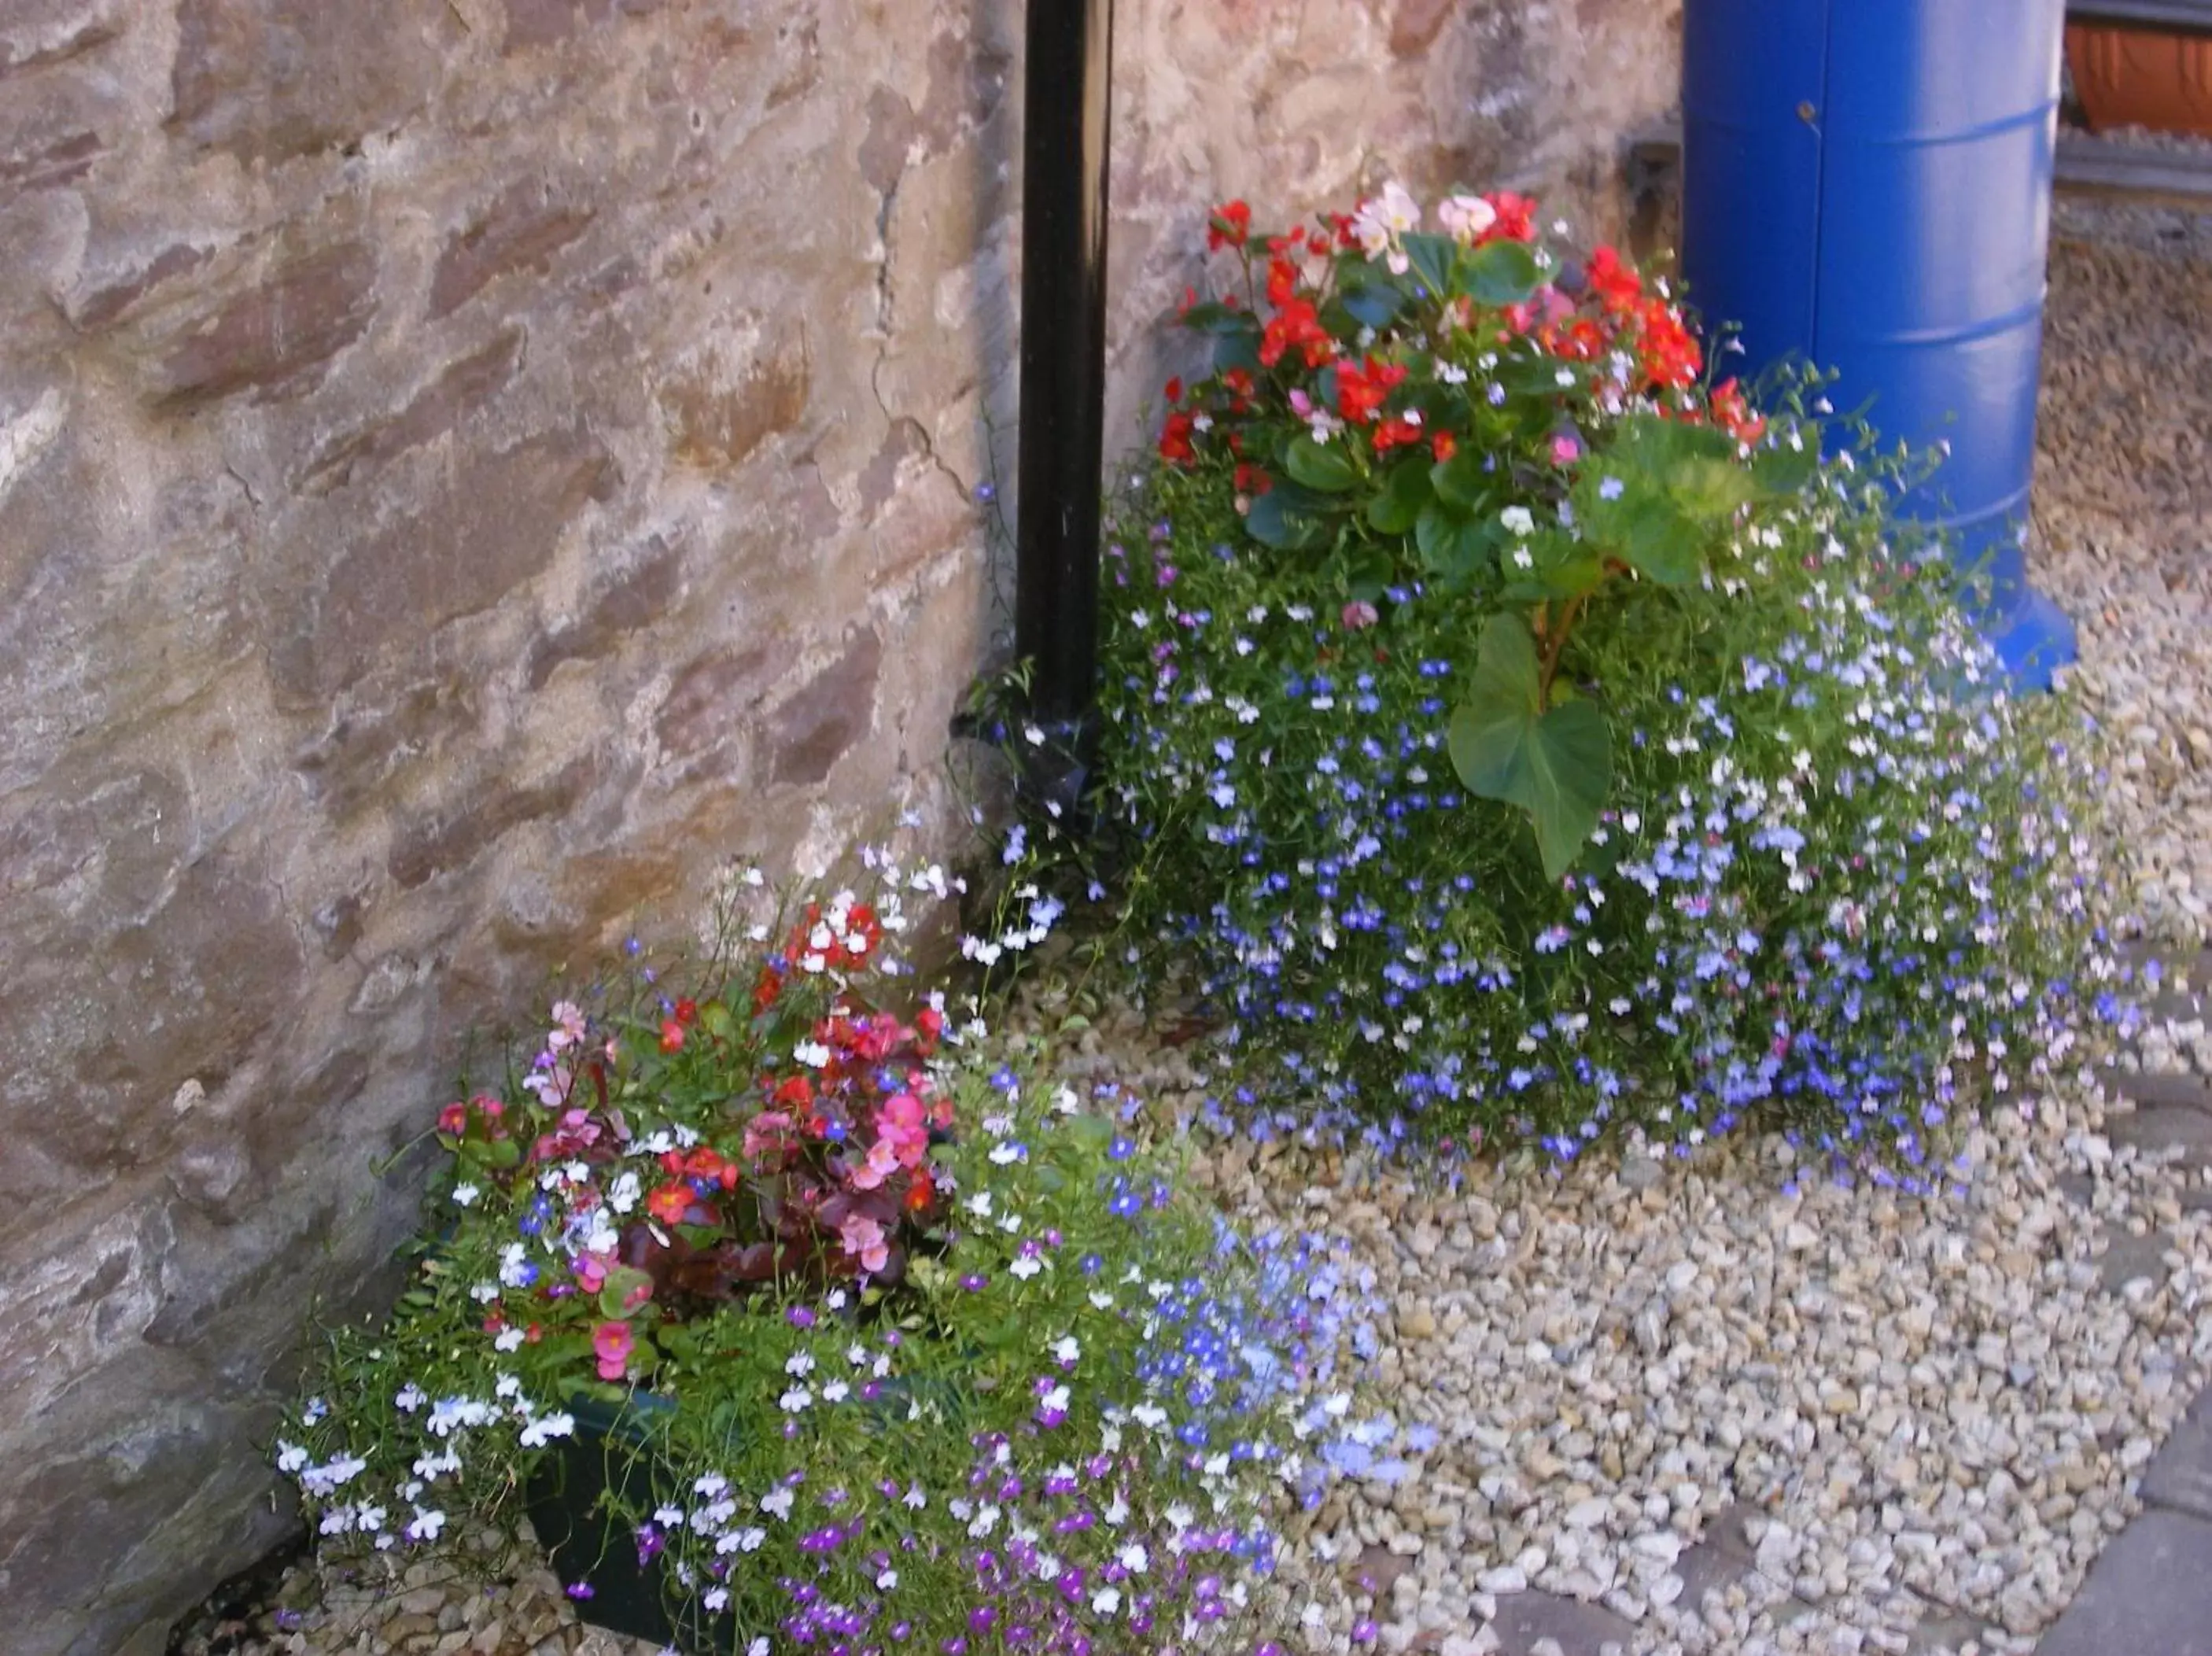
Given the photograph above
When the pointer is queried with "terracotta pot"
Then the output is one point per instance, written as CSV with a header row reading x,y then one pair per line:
x,y
2139,77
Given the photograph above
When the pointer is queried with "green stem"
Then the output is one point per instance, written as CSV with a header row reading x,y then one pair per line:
x,y
1555,642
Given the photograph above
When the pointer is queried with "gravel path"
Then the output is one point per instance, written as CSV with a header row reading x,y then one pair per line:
x,y
2124,522
1683,1407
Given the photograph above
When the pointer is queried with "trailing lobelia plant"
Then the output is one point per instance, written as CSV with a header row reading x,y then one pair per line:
x,y
905,1347
1452,544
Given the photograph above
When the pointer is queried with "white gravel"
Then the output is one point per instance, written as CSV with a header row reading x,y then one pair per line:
x,y
2123,525
1893,1410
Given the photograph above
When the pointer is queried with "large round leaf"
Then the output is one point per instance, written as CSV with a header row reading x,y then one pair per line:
x,y
1555,763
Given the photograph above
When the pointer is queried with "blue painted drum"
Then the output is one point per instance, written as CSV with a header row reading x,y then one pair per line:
x,y
1867,184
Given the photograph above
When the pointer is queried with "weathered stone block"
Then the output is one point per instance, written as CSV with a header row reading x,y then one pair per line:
x,y
812,731
712,699
632,600
421,850
459,390
519,230
498,521
720,411
1415,25
274,79
46,163
276,338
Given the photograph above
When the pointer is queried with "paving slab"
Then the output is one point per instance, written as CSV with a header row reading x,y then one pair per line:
x,y
2151,1129
1578,1627
2161,1089
2180,1476
2149,1593
1945,1633
2127,1257
1721,1557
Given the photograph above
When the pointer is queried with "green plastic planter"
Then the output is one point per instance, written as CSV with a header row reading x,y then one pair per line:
x,y
566,1501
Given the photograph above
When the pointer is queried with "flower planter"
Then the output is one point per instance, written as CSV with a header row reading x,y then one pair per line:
x,y
2140,77
586,1541
565,1501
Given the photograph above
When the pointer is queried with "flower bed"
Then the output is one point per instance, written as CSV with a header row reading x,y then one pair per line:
x,y
883,1344
1524,736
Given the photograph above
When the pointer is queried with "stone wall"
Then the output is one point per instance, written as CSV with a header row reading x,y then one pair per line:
x,y
466,465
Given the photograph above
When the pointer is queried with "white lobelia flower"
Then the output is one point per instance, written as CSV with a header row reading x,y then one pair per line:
x,y
426,1525
1519,519
466,1194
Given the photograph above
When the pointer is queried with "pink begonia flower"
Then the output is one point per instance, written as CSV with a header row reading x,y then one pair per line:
x,y
1566,450
904,1124
1301,405
1360,613
591,1272
568,1026
551,1086
863,1237
766,1132
882,1162
611,1343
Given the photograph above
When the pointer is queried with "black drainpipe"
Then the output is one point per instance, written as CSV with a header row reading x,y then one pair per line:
x,y
1063,387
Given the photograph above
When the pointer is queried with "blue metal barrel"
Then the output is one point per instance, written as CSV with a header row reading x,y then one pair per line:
x,y
1867,184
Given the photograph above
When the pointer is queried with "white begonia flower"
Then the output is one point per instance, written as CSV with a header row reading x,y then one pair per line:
x,y
1465,217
